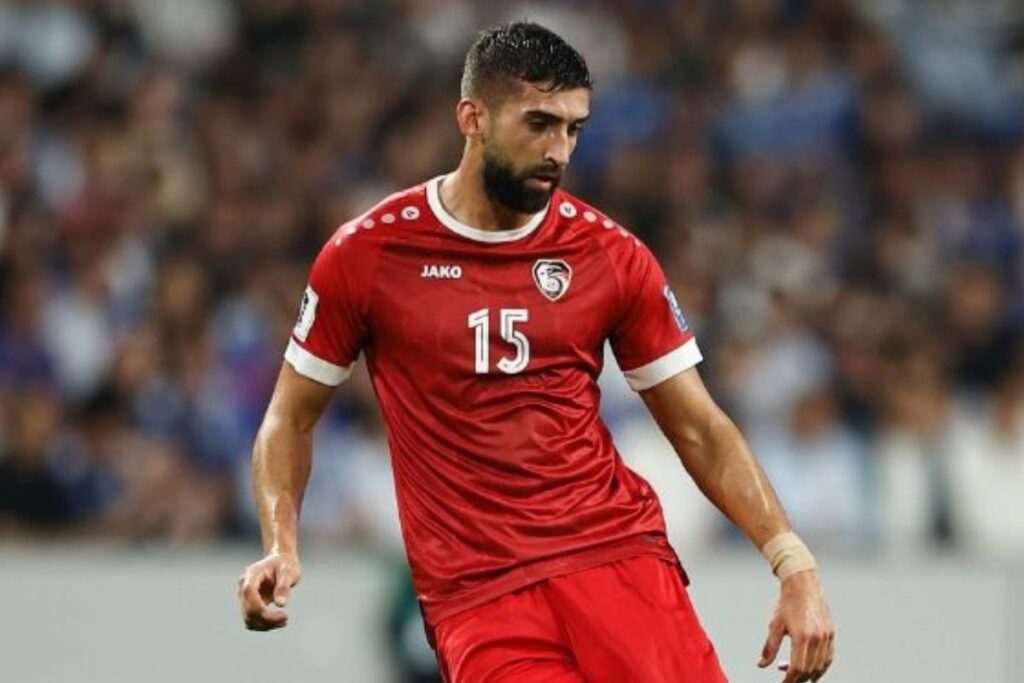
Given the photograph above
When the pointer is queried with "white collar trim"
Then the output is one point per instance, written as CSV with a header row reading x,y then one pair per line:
x,y
449,221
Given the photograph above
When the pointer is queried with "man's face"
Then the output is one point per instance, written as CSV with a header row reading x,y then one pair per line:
x,y
528,139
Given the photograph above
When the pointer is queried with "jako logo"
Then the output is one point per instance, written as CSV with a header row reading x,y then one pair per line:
x,y
442,272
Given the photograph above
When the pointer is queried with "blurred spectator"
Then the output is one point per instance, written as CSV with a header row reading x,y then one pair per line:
x,y
979,333
31,495
914,450
50,41
987,470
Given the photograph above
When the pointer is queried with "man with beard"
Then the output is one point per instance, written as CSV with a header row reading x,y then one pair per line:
x,y
482,301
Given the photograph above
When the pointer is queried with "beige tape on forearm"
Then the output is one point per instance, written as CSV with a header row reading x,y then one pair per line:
x,y
787,555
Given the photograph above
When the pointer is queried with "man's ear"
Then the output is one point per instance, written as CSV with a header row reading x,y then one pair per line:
x,y
471,113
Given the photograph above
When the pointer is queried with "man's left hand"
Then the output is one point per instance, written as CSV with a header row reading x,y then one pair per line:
x,y
801,613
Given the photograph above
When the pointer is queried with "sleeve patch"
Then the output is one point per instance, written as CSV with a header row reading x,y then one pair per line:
x,y
307,314
677,312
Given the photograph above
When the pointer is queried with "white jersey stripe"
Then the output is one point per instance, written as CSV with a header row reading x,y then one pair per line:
x,y
669,365
313,367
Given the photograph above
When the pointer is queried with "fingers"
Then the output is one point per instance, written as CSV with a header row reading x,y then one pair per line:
x,y
255,613
776,630
249,591
260,583
811,655
266,619
286,577
798,659
804,616
825,637
827,652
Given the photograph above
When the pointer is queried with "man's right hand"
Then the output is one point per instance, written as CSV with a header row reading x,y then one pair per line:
x,y
268,581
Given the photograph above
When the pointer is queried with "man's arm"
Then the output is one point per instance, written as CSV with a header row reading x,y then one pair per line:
x,y
281,462
715,454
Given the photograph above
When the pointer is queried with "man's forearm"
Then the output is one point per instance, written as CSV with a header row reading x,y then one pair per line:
x,y
719,461
280,469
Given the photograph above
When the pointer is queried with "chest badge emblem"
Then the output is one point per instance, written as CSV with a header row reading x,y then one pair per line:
x,y
552,277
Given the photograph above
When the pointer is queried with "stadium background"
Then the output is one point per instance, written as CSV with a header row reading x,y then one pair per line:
x,y
835,189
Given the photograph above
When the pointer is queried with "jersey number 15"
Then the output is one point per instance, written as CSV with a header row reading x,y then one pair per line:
x,y
480,323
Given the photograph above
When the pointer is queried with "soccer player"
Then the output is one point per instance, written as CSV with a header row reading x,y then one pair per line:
x,y
482,300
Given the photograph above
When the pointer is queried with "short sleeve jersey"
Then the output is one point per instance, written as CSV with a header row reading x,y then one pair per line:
x,y
484,349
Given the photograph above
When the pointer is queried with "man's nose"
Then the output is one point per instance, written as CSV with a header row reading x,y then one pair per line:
x,y
559,149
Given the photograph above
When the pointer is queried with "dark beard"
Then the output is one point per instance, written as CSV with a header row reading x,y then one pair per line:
x,y
503,185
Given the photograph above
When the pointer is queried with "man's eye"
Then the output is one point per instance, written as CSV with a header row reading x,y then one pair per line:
x,y
538,126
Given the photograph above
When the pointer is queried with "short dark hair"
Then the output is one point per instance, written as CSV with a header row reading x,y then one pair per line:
x,y
522,51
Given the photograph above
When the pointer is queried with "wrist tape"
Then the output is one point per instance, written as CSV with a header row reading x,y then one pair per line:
x,y
787,555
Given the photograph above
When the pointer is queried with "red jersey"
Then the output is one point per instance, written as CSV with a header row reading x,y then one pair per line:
x,y
484,348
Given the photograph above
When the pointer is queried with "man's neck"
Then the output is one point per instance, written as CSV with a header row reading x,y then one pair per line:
x,y
462,195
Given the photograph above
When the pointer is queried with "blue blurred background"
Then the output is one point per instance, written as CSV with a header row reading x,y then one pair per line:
x,y
835,189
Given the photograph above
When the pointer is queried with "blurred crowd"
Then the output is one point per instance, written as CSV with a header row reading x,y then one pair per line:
x,y
835,189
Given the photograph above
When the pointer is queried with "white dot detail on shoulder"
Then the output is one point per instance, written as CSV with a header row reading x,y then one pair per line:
x,y
622,231
388,218
567,210
607,223
590,216
368,223
350,230
410,213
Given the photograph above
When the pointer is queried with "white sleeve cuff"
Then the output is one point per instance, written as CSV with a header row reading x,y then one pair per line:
x,y
669,365
308,365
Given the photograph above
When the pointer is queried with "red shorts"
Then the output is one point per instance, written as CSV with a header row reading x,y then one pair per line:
x,y
623,622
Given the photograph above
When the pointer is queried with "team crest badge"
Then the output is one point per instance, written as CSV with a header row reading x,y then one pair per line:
x,y
552,277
